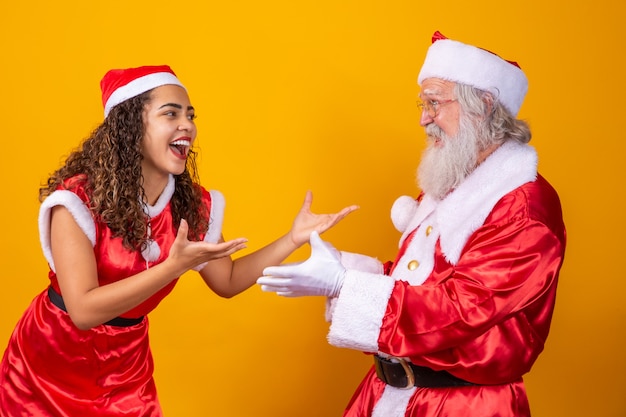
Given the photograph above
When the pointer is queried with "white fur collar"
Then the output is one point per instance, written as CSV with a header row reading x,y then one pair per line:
x,y
466,208
163,199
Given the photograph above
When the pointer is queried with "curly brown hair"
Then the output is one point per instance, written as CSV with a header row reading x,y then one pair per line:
x,y
110,160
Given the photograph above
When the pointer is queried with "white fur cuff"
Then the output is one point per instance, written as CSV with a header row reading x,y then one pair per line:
x,y
359,311
361,263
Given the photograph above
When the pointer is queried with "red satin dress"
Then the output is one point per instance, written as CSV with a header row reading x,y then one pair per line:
x,y
51,368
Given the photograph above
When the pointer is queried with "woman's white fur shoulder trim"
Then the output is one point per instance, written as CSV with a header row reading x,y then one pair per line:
x,y
216,219
76,207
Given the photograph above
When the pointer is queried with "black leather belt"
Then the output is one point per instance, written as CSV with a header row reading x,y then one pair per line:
x,y
401,373
57,300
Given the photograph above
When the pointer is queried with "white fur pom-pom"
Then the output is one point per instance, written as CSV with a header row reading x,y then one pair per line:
x,y
402,212
151,252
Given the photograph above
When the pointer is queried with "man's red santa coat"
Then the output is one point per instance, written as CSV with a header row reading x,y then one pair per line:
x,y
478,305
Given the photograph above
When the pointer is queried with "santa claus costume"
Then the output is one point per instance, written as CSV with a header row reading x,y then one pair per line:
x,y
471,293
52,368
464,311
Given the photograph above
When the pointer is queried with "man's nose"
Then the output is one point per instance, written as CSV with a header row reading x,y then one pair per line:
x,y
425,118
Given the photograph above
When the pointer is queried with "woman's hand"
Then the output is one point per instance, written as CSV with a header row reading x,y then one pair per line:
x,y
186,254
307,222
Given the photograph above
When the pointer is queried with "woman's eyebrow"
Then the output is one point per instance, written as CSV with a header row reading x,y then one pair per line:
x,y
178,106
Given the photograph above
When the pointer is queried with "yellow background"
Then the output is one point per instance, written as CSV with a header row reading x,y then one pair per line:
x,y
320,95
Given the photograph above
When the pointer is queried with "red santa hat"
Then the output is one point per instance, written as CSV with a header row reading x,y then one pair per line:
x,y
465,64
119,85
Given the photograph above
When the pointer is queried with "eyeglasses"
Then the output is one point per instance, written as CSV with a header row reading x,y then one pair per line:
x,y
431,107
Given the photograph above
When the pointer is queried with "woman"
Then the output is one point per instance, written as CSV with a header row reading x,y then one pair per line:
x,y
120,221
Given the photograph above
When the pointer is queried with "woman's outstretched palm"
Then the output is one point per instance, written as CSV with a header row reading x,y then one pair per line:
x,y
307,221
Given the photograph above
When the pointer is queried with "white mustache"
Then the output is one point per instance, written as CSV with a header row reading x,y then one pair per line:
x,y
433,130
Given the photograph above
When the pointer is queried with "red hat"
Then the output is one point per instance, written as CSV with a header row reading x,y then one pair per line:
x,y
466,64
119,85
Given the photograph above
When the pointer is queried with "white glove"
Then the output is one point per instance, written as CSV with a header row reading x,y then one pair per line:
x,y
321,274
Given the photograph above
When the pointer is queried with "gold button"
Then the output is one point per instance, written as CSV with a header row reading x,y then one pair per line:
x,y
413,265
429,229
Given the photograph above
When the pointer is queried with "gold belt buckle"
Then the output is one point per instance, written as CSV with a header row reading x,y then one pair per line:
x,y
410,376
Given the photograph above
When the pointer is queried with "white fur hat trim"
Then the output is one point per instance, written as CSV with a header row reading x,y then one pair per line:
x,y
465,64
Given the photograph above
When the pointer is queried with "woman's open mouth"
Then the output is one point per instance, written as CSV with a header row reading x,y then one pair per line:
x,y
180,147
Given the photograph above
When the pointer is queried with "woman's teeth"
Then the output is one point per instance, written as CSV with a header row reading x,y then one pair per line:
x,y
180,146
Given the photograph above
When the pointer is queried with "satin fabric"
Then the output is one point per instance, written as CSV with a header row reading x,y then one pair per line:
x,y
507,400
51,368
484,319
116,262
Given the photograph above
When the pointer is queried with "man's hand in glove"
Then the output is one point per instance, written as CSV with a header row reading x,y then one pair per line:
x,y
321,274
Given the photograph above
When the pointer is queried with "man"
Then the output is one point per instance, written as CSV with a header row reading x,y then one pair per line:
x,y
463,313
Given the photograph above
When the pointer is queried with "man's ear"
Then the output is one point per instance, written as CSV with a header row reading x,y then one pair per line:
x,y
489,101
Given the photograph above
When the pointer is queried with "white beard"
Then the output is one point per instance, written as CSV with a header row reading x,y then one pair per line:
x,y
445,166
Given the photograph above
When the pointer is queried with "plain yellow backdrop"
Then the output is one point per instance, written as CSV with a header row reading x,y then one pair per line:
x,y
320,95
